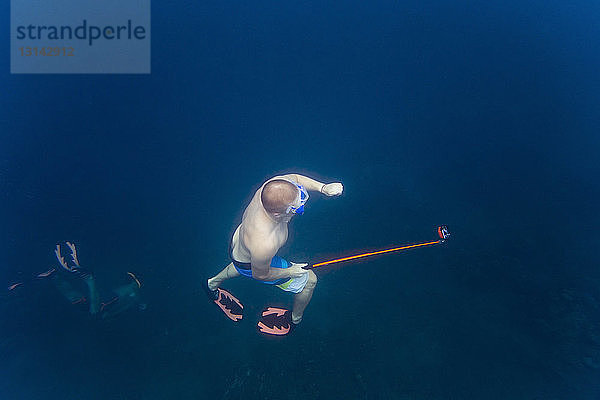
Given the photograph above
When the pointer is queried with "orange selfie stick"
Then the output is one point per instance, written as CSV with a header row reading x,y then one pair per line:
x,y
442,231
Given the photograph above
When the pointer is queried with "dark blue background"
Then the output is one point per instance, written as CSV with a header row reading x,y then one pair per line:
x,y
484,116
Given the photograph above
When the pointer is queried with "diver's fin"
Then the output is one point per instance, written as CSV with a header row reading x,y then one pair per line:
x,y
276,321
228,303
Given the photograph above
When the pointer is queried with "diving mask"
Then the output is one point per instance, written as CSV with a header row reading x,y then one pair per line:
x,y
299,209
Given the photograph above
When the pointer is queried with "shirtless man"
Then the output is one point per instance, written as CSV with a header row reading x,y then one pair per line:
x,y
263,231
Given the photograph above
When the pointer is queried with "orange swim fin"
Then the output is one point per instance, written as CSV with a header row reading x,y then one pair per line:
x,y
227,303
276,321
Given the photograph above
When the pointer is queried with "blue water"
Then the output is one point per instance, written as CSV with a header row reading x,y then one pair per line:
x,y
483,116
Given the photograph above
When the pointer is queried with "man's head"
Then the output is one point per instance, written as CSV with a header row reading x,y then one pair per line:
x,y
278,195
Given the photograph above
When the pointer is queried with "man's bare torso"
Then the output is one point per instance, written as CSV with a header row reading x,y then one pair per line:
x,y
258,231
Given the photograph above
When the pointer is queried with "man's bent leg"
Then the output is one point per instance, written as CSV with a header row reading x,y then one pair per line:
x,y
227,273
90,281
303,298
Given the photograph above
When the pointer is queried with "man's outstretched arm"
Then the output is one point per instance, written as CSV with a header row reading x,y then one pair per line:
x,y
329,189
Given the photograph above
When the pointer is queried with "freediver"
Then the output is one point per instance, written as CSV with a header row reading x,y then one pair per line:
x,y
70,275
255,242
